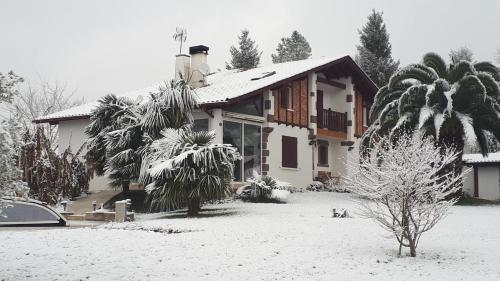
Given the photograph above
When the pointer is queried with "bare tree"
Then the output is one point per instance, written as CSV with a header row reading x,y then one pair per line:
x,y
404,185
39,101
460,54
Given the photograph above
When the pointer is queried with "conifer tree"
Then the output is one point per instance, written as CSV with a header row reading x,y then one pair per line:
x,y
374,52
246,55
8,82
292,48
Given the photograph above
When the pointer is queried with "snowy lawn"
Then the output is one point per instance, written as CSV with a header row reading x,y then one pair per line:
x,y
247,241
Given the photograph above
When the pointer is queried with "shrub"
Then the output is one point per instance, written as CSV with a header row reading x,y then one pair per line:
x,y
264,189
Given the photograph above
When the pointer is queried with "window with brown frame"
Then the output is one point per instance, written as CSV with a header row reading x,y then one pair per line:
x,y
286,99
288,152
322,153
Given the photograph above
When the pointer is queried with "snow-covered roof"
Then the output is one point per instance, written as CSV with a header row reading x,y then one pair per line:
x,y
223,86
479,158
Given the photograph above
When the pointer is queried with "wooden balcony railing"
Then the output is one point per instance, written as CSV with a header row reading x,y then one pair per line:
x,y
332,120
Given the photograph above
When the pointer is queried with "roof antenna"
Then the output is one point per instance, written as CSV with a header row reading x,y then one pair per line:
x,y
180,35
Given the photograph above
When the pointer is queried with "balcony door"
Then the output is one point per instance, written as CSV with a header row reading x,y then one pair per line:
x,y
319,102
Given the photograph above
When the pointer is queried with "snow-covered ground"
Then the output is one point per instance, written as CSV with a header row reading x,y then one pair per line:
x,y
246,241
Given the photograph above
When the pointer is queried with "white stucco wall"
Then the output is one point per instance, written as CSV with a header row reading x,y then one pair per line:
x,y
334,98
72,133
488,181
488,178
337,157
303,174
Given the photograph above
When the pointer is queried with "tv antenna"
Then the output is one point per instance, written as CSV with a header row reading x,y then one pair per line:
x,y
180,35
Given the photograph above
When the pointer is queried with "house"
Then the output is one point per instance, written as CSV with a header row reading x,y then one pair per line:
x,y
297,121
484,179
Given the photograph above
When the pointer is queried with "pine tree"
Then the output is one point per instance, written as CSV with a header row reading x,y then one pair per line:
x,y
247,54
292,48
374,53
8,84
462,53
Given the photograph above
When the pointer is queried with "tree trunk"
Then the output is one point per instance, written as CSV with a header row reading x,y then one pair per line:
x,y
193,206
126,189
413,248
452,138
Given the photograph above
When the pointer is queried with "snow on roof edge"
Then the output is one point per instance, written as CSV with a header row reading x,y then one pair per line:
x,y
475,158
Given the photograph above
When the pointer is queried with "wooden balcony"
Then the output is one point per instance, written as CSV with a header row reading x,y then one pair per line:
x,y
332,124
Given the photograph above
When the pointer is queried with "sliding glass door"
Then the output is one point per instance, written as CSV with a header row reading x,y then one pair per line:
x,y
247,140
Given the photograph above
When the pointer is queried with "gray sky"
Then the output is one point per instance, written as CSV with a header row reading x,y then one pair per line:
x,y
100,47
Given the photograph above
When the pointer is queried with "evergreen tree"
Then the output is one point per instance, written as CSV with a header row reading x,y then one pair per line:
x,y
292,48
247,55
8,84
462,53
374,53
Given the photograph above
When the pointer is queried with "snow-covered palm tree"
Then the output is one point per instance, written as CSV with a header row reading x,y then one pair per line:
x,y
186,168
457,104
122,130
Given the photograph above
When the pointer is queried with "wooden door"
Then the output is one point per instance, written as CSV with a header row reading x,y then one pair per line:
x,y
319,101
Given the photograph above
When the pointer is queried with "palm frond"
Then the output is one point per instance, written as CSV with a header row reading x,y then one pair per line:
x,y
437,63
460,70
421,73
492,87
489,68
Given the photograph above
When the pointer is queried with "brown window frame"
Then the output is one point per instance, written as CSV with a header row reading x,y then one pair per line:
x,y
323,158
286,97
289,151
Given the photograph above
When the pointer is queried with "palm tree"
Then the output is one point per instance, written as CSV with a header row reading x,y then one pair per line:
x,y
122,130
457,104
103,121
186,168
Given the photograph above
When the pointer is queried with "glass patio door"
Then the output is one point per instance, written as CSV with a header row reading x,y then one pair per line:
x,y
246,138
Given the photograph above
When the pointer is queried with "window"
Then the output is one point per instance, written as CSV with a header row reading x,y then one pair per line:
x,y
231,134
323,153
286,97
250,106
288,152
246,138
365,116
200,125
251,151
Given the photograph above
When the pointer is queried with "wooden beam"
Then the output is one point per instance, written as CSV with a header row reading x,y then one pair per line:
x,y
331,83
476,181
332,134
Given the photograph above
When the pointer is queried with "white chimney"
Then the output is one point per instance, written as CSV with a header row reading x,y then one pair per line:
x,y
199,66
182,66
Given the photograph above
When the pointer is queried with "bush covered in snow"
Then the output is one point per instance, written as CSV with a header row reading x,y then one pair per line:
x,y
10,185
405,184
331,185
264,189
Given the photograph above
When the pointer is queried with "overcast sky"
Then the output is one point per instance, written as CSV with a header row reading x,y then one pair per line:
x,y
100,47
